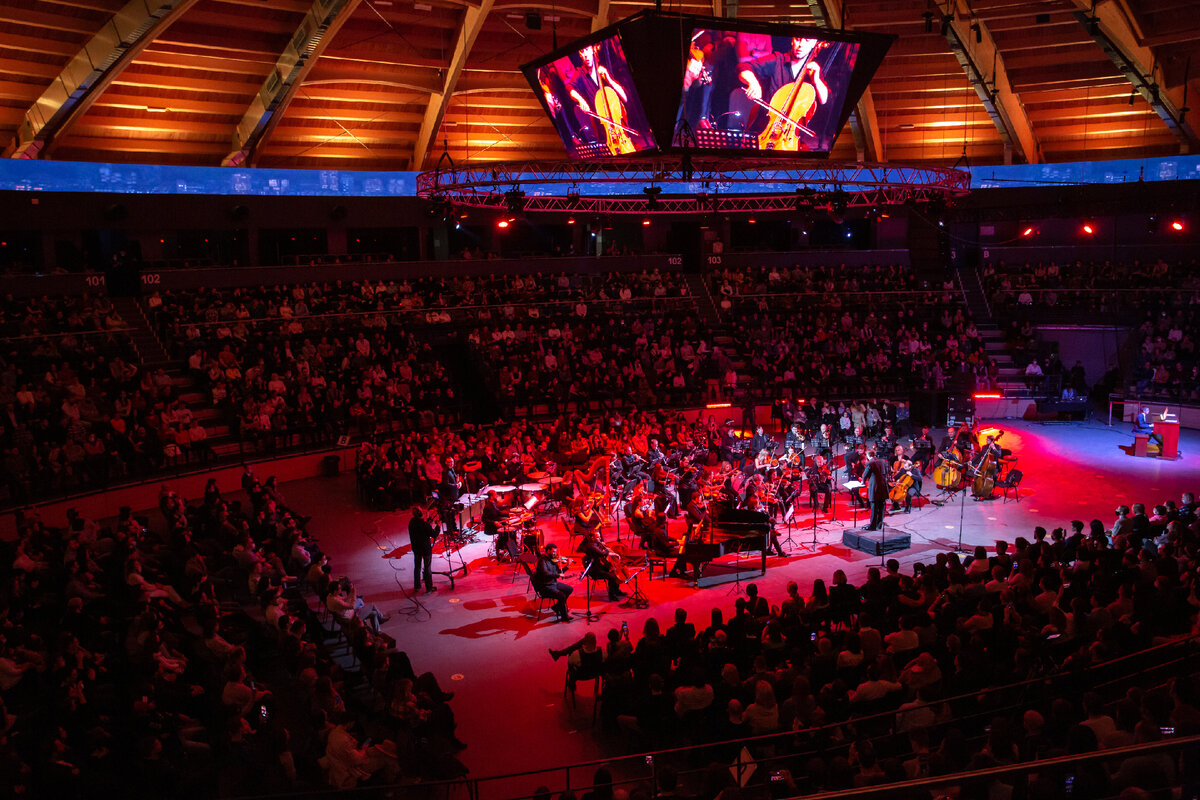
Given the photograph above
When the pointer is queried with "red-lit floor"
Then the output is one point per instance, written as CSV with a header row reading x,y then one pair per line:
x,y
482,642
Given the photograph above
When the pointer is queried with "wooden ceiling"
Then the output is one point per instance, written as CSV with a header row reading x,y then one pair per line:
x,y
387,82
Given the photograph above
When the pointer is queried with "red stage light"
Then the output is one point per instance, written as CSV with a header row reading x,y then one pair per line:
x,y
1177,225
988,396
570,220
719,405
502,223
646,221
752,220
1088,229
1027,232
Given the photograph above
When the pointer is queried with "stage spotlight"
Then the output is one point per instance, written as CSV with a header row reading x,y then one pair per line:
x,y
652,193
1027,232
572,197
645,221
1088,228
502,224
570,220
1177,225
702,199
752,221
514,200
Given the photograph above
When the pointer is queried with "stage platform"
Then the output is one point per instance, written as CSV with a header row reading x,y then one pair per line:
x,y
482,642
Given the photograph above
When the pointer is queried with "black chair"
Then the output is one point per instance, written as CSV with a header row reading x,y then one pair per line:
x,y
1011,480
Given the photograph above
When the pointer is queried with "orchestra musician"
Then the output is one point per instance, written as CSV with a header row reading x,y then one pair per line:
x,y
588,520
760,442
697,519
793,443
820,483
492,516
688,486
923,450
546,581
877,488
1142,423
913,470
856,464
585,84
597,560
762,77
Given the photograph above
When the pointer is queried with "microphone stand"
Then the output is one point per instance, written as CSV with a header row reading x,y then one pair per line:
x,y
637,599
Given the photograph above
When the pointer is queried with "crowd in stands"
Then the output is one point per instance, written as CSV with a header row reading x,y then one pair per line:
x,y
78,409
1105,288
206,654
849,328
900,677
1167,365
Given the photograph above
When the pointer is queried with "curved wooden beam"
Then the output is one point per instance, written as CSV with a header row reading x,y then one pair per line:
x,y
435,112
91,70
318,28
972,45
864,124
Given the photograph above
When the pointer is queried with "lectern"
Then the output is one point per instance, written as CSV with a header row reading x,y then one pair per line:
x,y
1169,431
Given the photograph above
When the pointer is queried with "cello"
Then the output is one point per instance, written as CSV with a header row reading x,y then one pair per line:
x,y
792,107
611,113
901,483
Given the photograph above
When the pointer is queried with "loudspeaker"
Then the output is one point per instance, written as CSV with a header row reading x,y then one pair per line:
x,y
876,543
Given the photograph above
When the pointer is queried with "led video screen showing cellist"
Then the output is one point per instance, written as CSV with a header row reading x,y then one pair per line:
x,y
768,93
591,99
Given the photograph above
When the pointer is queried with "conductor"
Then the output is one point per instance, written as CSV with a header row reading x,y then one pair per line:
x,y
877,488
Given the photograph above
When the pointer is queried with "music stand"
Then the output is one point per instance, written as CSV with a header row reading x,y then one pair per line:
x,y
587,581
850,486
636,599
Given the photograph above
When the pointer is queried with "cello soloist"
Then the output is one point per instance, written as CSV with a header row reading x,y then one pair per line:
x,y
601,98
764,78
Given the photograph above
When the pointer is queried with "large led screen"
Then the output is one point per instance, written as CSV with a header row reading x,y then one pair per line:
x,y
591,99
761,92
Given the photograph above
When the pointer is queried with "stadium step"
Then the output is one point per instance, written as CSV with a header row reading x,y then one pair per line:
x,y
142,334
706,309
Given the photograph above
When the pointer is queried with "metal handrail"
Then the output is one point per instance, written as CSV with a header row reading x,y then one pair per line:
x,y
31,336
427,309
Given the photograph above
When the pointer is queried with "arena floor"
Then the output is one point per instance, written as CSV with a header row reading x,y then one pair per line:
x,y
482,642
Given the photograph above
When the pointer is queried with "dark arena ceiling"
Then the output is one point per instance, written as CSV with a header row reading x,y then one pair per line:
x,y
380,84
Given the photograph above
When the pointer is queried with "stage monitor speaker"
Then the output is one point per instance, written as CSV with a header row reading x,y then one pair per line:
x,y
875,543
960,409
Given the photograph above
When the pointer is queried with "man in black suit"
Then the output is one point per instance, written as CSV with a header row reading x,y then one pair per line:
x,y
421,536
877,488
545,581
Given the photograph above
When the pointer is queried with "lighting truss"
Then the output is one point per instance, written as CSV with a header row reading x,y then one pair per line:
x,y
744,185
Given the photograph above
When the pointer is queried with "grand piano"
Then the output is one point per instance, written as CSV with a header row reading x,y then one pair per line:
x,y
732,531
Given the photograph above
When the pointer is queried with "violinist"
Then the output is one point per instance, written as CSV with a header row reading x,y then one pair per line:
x,y
688,486
763,77
545,581
597,561
586,84
856,464
820,483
